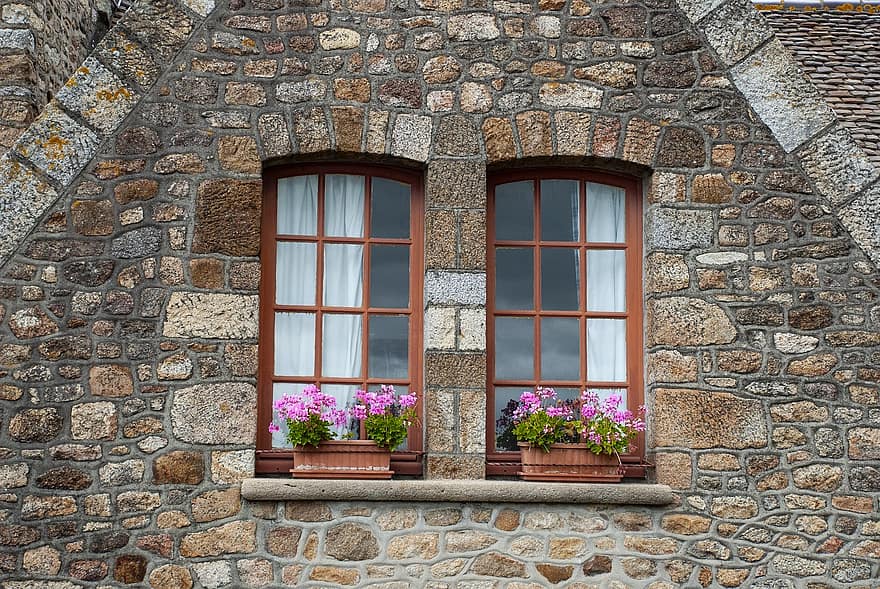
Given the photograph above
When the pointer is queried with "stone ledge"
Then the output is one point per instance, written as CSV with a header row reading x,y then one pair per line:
x,y
476,491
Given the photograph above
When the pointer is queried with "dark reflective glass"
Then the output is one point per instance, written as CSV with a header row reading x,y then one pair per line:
x,y
560,203
514,275
506,399
515,211
389,276
560,279
388,346
514,348
389,210
560,349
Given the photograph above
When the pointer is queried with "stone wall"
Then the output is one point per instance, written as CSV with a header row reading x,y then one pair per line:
x,y
42,42
128,315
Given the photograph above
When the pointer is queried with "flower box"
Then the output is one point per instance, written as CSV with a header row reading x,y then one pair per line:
x,y
342,459
568,463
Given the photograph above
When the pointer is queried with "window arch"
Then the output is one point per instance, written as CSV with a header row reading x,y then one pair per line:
x,y
564,292
341,303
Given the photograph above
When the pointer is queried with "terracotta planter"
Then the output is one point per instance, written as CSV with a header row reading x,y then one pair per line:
x,y
342,459
568,463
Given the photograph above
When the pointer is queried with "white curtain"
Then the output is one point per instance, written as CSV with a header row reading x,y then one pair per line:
x,y
296,271
606,283
343,281
343,205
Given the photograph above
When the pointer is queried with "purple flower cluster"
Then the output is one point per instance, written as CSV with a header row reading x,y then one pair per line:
x,y
311,402
380,403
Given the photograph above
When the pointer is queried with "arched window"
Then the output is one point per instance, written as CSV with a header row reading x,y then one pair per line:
x,y
565,297
341,300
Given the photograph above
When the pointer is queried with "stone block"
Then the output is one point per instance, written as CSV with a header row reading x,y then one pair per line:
x,y
683,321
411,137
472,27
781,96
223,413
678,229
233,538
455,288
735,30
228,217
212,316
456,466
440,328
838,167
498,138
58,145
701,419
98,96
858,217
472,330
535,133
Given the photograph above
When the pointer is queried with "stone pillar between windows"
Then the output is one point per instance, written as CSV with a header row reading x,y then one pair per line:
x,y
455,311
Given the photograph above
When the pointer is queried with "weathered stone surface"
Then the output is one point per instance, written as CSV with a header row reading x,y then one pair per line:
x,y
211,316
137,243
130,568
734,507
781,96
31,322
215,414
232,538
13,475
682,321
679,229
421,546
697,419
283,542
94,421
818,477
666,272
179,467
472,27
228,217
122,473
58,145
411,137
111,380
864,443
218,504
35,425
494,564
64,477
351,542
170,576
41,507
681,147
44,560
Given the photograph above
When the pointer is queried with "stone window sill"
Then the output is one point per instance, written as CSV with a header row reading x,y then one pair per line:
x,y
458,491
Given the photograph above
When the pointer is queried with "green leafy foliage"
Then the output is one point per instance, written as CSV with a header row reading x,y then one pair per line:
x,y
308,433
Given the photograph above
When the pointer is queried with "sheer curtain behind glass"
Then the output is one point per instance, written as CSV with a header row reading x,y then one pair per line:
x,y
606,284
343,279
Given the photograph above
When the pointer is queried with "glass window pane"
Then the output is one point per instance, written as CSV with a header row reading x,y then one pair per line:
x,y
560,349
560,206
515,211
506,399
295,272
514,275
606,350
341,352
298,205
514,348
606,280
560,279
605,213
279,389
294,344
389,276
343,275
389,215
343,205
388,346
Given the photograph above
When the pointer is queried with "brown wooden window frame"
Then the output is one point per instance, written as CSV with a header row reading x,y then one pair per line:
x,y
269,460
506,462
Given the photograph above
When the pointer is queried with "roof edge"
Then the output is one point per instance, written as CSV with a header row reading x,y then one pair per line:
x,y
798,117
87,110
